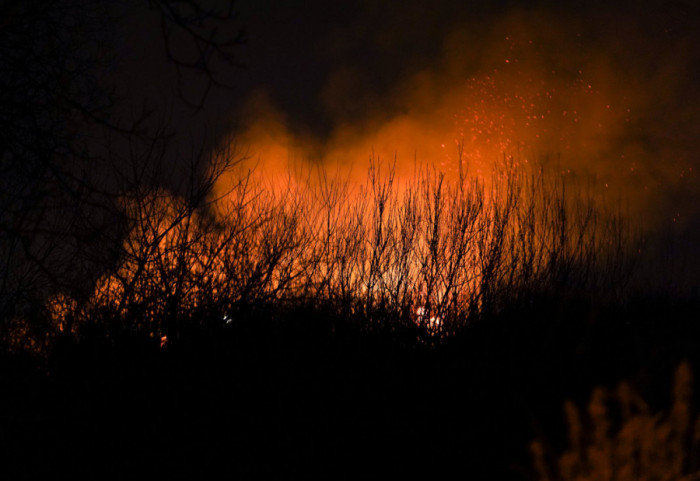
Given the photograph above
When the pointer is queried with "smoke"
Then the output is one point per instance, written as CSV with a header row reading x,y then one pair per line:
x,y
602,95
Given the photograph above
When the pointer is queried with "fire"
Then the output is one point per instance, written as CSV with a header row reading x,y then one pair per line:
x,y
453,212
432,323
441,248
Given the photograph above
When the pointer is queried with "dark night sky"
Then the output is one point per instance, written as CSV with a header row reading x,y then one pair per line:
x,y
295,48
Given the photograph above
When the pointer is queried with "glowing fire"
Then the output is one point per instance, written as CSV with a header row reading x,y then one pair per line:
x,y
432,323
446,214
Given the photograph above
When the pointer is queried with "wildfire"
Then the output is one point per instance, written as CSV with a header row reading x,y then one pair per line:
x,y
453,212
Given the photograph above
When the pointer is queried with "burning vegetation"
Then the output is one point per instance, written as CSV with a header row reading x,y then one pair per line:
x,y
430,255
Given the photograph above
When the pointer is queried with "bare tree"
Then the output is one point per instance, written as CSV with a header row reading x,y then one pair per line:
x,y
67,154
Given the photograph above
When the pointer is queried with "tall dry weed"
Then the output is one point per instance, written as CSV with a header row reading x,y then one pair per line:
x,y
619,438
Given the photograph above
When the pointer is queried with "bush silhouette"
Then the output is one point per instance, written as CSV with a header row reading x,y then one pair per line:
x,y
429,253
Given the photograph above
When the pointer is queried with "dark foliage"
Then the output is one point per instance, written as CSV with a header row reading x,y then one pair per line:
x,y
300,397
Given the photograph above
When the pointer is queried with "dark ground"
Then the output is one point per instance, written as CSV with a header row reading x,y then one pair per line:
x,y
306,398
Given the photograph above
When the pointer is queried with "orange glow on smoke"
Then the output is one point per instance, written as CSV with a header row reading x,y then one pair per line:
x,y
528,87
524,112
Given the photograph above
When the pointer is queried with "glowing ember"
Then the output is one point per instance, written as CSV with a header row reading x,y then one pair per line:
x,y
432,323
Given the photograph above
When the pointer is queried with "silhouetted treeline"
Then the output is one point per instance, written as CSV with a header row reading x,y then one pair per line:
x,y
429,255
